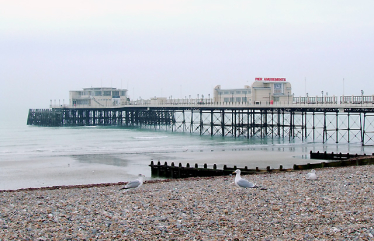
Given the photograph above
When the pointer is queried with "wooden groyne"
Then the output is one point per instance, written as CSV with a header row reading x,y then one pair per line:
x,y
354,160
334,156
173,171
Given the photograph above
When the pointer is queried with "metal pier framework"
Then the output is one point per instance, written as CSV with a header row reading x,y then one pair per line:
x,y
339,125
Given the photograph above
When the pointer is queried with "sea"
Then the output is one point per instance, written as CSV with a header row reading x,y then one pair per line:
x,y
33,156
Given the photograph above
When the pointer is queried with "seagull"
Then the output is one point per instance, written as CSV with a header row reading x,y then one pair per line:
x,y
311,175
240,182
135,183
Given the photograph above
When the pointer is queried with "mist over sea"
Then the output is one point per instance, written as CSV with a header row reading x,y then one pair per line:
x,y
32,156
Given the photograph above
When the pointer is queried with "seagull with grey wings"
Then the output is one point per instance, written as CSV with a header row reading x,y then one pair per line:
x,y
243,183
135,183
311,175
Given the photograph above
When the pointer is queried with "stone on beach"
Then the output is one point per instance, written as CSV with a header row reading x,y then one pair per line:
x,y
338,207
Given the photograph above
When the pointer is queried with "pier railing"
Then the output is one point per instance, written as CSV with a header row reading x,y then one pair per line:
x,y
226,104
326,101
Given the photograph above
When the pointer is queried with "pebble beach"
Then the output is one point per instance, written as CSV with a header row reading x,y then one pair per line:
x,y
336,206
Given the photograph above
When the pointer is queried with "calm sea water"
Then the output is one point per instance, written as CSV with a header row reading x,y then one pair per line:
x,y
32,156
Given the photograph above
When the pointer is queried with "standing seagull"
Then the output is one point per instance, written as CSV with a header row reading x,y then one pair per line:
x,y
135,183
311,175
240,182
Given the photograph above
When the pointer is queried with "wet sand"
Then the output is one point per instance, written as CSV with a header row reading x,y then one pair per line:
x,y
65,170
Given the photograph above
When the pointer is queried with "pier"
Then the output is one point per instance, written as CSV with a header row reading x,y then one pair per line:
x,y
315,123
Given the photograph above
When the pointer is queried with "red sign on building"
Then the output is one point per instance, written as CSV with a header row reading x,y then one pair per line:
x,y
270,79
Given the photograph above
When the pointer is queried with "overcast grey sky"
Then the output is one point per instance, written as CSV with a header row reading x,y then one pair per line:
x,y
181,48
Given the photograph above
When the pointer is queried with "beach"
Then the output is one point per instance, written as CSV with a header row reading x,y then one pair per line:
x,y
336,206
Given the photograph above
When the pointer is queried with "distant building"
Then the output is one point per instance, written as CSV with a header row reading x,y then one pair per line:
x,y
262,91
158,100
98,97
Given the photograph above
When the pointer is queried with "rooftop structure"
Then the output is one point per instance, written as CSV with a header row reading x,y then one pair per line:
x,y
98,97
262,91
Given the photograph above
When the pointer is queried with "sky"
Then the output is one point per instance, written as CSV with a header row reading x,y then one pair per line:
x,y
179,48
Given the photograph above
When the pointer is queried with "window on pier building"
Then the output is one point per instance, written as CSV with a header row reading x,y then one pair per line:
x,y
115,94
107,93
98,93
238,99
82,102
226,99
278,88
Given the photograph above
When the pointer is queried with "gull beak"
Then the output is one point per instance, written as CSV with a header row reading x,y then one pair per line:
x,y
234,173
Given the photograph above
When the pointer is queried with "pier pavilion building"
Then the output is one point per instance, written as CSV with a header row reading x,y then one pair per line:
x,y
262,91
98,97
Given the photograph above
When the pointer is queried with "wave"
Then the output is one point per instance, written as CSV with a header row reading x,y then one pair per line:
x,y
149,137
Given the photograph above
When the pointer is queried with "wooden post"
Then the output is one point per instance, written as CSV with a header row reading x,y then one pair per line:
x,y
180,170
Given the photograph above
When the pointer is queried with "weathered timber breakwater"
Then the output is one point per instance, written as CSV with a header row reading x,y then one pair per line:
x,y
179,171
336,206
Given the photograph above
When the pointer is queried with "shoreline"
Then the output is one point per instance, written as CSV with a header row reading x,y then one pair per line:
x,y
64,170
161,180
